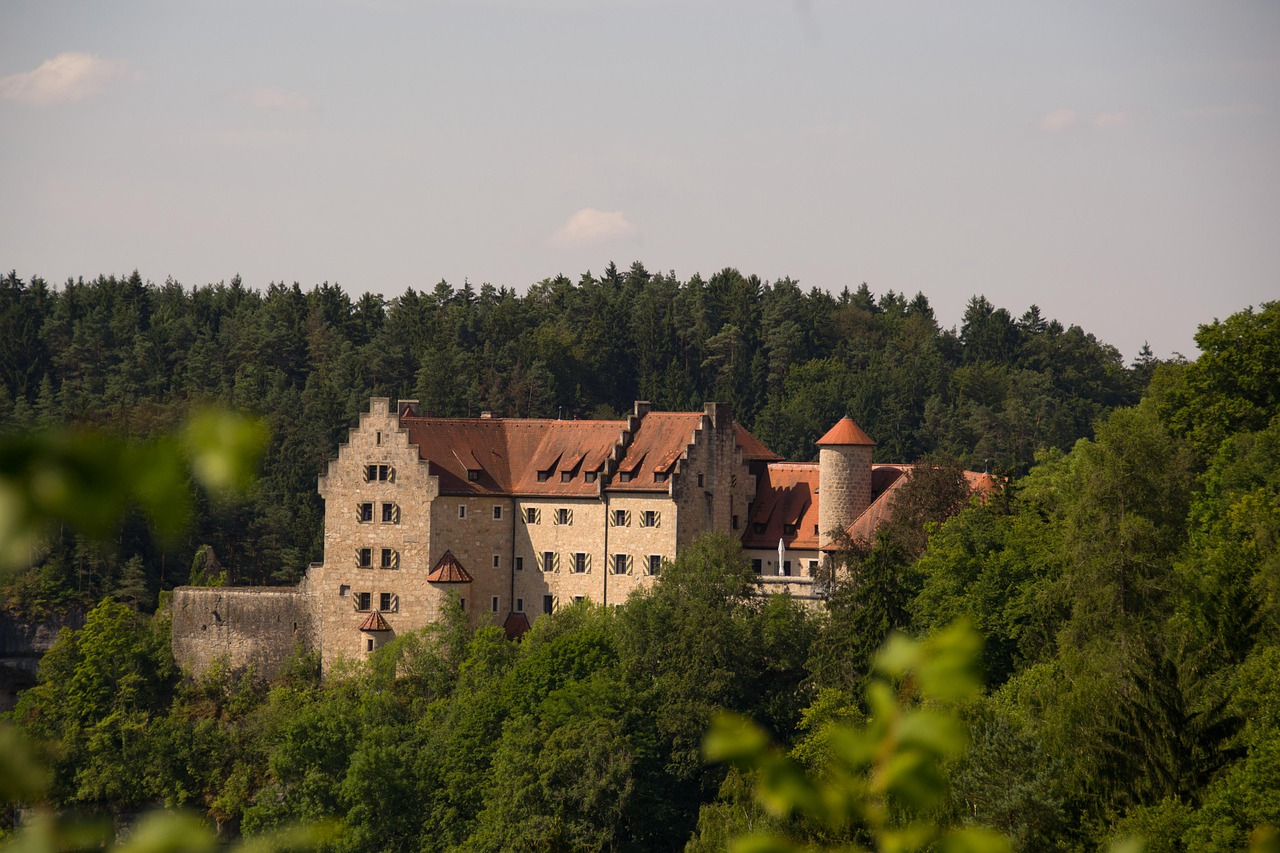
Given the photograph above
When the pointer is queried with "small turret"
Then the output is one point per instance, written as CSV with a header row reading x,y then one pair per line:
x,y
844,478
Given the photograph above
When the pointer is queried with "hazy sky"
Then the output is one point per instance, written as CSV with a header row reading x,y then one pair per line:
x,y
1116,163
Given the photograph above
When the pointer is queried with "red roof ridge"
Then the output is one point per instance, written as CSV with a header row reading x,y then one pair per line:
x,y
846,433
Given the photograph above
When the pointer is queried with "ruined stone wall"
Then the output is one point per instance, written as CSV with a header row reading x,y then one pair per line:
x,y
259,627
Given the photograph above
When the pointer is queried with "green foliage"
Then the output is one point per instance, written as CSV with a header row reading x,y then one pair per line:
x,y
878,783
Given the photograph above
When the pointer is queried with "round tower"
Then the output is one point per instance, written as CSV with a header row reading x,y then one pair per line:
x,y
844,479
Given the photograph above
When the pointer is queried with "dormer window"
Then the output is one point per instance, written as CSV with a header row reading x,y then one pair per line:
x,y
757,528
659,476
589,477
788,529
624,476
473,475
566,476
543,476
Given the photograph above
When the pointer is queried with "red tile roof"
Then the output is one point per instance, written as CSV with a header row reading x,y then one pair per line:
x,y
752,447
515,626
518,456
509,453
845,433
786,494
375,622
449,570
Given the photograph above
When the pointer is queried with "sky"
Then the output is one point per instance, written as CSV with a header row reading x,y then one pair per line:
x,y
1116,163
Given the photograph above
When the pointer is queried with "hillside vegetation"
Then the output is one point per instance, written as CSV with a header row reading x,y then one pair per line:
x,y
134,357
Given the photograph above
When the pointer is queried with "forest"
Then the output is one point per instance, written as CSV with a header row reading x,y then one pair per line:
x,y
1125,583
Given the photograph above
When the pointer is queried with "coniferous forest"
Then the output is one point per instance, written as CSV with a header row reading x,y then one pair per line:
x,y
1126,581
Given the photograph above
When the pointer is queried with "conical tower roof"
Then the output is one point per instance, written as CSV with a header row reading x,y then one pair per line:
x,y
846,433
449,570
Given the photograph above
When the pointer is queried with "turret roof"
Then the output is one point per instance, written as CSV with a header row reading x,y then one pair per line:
x,y
375,622
846,433
448,570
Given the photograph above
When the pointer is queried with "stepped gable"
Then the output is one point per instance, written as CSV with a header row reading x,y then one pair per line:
x,y
514,456
448,570
656,447
374,622
846,434
786,494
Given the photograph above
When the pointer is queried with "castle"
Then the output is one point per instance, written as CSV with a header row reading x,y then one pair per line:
x,y
510,519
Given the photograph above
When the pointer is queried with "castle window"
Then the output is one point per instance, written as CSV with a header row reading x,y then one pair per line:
x,y
519,605
390,559
735,522
699,481
650,518
788,529
624,476
361,600
519,564
364,558
388,602
621,518
758,528
620,562
473,475
497,513
462,510
548,561
532,515
578,599
543,476
368,644
493,604
497,561
364,512
382,473
786,568
343,589
581,562
815,530
462,604
548,603
390,514
589,476
655,564
566,476
813,567
757,567
378,437
564,516
659,476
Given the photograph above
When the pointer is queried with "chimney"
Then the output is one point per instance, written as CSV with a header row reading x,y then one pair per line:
x,y
720,414
643,407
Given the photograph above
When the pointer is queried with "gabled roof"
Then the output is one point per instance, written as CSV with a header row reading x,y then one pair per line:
x,y
846,433
752,447
656,446
511,452
374,622
448,570
786,494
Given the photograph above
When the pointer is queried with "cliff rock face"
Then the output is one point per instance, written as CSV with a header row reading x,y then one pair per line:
x,y
22,644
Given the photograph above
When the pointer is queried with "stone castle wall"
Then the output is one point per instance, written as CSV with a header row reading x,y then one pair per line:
x,y
258,627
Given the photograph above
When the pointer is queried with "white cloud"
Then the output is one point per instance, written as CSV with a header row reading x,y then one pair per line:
x,y
1057,120
269,98
65,78
1105,120
589,226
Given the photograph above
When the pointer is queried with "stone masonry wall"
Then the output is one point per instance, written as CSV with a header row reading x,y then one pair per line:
x,y
259,627
334,588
